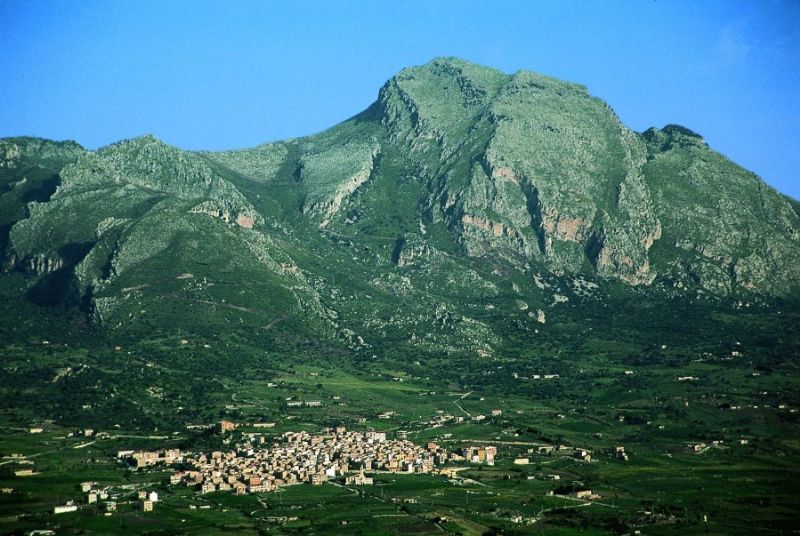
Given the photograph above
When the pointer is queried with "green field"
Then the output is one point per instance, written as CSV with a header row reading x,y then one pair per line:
x,y
144,399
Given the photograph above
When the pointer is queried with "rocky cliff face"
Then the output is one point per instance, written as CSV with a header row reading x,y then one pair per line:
x,y
29,175
724,228
533,169
457,179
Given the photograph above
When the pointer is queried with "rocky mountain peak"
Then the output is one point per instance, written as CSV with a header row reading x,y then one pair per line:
x,y
671,136
458,179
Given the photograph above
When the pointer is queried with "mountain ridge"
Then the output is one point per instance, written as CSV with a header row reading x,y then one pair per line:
x,y
457,174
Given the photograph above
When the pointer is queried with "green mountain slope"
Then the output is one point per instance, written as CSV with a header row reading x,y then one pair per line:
x,y
727,228
463,205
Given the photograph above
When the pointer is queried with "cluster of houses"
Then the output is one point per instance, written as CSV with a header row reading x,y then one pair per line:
x,y
148,500
700,448
301,457
101,497
41,428
581,454
517,376
477,454
143,458
303,403
443,418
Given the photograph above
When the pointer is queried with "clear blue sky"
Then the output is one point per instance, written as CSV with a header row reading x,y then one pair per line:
x,y
229,74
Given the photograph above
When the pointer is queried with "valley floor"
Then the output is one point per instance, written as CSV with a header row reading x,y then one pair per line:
x,y
694,468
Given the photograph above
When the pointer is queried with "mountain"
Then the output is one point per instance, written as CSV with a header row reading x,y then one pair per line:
x,y
463,205
477,259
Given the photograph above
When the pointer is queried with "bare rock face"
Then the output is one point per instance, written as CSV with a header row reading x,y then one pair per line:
x,y
9,155
229,213
411,250
43,264
725,227
245,221
533,169
328,203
